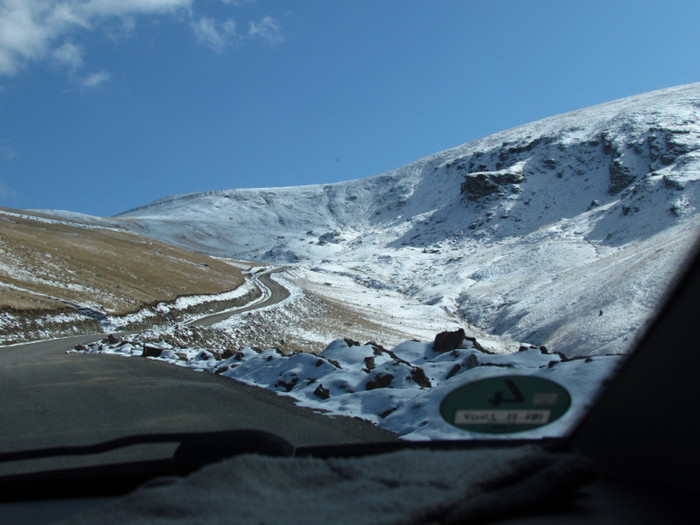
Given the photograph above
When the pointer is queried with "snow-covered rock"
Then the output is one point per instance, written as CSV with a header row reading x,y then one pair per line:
x,y
399,389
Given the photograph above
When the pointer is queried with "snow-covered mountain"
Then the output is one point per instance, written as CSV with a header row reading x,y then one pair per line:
x,y
563,232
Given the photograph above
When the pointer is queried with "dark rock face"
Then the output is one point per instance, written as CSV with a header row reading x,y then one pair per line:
x,y
628,155
621,176
481,184
448,341
666,145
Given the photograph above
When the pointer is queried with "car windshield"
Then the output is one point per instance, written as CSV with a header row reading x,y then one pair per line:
x,y
204,228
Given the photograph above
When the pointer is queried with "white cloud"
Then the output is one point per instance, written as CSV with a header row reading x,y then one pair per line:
x,y
29,28
130,7
69,55
268,30
34,30
95,79
238,3
214,34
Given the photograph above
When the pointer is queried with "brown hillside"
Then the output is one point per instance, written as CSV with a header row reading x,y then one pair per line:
x,y
114,271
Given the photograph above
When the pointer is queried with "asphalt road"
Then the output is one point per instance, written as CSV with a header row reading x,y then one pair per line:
x,y
51,398
278,293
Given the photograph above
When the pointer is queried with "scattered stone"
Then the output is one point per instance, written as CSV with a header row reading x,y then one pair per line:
x,y
151,351
379,381
321,392
419,377
377,348
351,342
334,363
287,385
453,371
369,362
672,183
472,361
384,414
112,339
477,344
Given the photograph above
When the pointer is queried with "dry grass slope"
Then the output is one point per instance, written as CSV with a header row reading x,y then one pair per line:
x,y
113,271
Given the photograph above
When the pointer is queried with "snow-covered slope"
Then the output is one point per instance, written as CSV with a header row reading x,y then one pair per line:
x,y
562,232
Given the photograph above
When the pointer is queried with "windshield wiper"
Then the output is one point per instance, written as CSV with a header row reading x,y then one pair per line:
x,y
195,450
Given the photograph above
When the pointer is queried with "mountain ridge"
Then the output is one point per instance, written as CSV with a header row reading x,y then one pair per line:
x,y
562,232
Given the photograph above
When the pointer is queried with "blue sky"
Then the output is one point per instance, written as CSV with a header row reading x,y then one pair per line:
x,y
106,105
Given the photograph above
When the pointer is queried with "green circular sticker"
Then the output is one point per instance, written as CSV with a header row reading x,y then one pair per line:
x,y
500,405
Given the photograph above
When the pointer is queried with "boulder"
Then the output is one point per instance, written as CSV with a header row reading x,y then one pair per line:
x,y
380,380
322,392
453,371
419,377
448,341
151,351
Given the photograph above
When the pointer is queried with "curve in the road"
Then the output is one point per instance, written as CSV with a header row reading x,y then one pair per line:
x,y
273,293
53,398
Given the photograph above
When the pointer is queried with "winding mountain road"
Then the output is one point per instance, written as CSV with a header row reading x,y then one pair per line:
x,y
273,293
52,398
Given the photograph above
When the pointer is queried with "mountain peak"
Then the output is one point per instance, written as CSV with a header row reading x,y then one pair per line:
x,y
530,232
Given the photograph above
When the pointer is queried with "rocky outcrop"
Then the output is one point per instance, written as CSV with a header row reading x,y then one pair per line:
x,y
484,183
